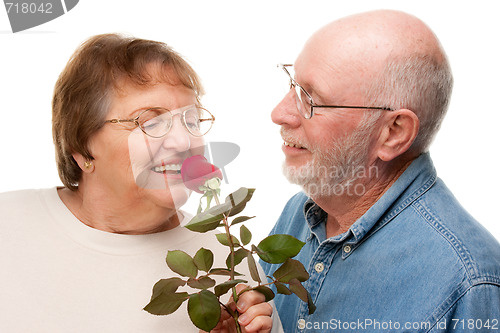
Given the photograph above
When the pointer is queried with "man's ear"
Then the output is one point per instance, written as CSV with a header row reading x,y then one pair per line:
x,y
84,164
397,135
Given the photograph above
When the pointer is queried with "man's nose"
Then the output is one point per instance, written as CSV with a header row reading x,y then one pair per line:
x,y
286,112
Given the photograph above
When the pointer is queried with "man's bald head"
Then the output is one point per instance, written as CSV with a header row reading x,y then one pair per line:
x,y
391,59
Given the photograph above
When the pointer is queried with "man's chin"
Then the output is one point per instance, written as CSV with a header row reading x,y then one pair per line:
x,y
313,186
296,175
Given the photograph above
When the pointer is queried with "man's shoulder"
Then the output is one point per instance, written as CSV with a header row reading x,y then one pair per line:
x,y
295,205
458,235
296,202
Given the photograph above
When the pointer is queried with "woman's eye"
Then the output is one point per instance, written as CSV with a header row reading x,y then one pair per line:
x,y
150,119
192,121
150,124
193,125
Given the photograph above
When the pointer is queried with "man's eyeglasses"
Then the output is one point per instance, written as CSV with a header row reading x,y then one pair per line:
x,y
305,103
156,122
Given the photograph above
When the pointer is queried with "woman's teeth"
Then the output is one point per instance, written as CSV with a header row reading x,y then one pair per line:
x,y
170,168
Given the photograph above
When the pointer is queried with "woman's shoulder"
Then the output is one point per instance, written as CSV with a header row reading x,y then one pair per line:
x,y
24,200
17,195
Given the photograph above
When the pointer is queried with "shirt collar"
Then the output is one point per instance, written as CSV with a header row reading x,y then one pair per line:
x,y
414,181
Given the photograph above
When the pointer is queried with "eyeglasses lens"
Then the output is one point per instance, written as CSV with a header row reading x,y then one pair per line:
x,y
157,122
198,121
302,100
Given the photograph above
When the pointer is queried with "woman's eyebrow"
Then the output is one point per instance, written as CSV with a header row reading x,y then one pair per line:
x,y
136,112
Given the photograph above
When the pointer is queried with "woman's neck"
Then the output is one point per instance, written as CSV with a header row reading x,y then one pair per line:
x,y
108,214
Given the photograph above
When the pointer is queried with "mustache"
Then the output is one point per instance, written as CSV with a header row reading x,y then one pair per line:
x,y
287,136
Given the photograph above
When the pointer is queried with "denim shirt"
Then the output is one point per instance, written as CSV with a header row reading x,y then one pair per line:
x,y
416,261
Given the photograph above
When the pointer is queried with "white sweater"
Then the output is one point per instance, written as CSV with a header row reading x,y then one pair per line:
x,y
59,275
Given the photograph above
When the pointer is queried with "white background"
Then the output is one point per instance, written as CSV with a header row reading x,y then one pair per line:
x,y
235,46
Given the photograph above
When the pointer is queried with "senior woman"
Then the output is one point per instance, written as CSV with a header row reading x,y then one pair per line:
x,y
84,257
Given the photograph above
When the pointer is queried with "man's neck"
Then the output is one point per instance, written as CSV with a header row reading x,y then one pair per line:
x,y
346,209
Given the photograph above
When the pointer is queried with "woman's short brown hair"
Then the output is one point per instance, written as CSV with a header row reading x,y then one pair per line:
x,y
82,94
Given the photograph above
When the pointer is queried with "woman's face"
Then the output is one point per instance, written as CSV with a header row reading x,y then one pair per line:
x,y
138,168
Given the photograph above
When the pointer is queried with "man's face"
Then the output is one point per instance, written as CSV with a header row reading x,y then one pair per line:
x,y
334,169
324,154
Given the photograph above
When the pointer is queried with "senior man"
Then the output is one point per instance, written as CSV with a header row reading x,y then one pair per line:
x,y
388,247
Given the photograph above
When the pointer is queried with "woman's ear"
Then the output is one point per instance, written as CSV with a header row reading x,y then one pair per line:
x,y
399,132
84,164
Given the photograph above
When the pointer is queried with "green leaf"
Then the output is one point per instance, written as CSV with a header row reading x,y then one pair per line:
x,y
203,282
276,249
204,259
252,267
167,286
310,304
239,199
204,310
282,288
242,195
257,250
209,195
224,287
166,303
181,263
266,291
222,238
298,289
239,255
291,269
245,235
205,221
241,219
223,271
210,218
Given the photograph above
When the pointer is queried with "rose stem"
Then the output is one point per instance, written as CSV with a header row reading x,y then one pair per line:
x,y
231,247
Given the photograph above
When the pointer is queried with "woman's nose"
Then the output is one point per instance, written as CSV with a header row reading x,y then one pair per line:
x,y
286,113
178,137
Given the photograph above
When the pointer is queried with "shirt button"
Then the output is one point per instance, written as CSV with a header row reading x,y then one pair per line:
x,y
301,324
319,267
347,248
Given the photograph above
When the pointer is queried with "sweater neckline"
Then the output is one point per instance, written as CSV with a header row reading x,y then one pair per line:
x,y
108,242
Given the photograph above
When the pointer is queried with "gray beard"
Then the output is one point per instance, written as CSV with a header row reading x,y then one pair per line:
x,y
335,171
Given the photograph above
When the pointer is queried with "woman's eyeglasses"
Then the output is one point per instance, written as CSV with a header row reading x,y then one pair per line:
x,y
156,122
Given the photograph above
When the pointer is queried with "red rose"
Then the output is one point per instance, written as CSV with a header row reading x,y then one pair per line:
x,y
196,170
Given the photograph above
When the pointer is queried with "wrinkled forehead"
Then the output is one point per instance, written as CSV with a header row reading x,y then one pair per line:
x,y
152,75
338,56
346,46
